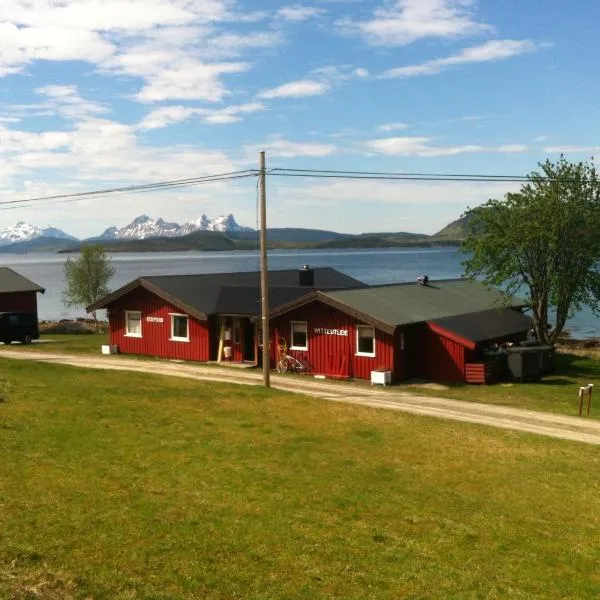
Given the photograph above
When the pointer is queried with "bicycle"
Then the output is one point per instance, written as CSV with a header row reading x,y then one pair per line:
x,y
287,362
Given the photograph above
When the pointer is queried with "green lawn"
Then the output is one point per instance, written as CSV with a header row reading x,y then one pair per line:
x,y
89,343
129,486
554,393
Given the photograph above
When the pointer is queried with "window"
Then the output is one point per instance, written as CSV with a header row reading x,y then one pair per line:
x,y
365,340
179,328
299,336
133,323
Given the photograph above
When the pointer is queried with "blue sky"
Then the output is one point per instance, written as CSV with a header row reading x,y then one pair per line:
x,y
97,93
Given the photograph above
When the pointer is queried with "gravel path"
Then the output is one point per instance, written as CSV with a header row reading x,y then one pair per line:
x,y
548,424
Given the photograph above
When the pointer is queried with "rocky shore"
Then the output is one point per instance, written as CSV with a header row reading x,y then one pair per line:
x,y
73,326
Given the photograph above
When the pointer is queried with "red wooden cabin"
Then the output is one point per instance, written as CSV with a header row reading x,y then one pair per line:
x,y
194,317
435,330
17,293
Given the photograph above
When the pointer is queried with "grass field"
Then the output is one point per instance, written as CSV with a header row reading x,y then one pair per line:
x,y
128,486
68,343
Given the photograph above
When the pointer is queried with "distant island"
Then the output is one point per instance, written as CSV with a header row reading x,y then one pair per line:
x,y
247,239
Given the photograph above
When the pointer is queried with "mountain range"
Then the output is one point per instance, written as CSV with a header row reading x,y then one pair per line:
x,y
141,228
145,234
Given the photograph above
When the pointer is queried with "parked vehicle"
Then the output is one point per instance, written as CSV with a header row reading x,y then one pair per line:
x,y
19,327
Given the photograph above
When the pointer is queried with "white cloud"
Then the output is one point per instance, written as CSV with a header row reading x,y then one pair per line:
x,y
97,149
566,149
513,148
401,22
189,79
19,46
421,146
279,147
169,115
113,15
64,100
228,45
540,138
173,46
493,50
297,13
296,89
392,127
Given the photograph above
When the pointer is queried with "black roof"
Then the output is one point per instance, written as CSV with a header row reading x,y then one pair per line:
x,y
231,293
11,281
487,325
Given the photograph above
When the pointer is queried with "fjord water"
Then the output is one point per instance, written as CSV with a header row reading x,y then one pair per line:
x,y
371,266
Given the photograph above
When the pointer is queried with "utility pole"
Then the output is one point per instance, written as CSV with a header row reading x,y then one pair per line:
x,y
264,275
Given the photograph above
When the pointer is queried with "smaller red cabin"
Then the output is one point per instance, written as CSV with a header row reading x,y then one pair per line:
x,y
17,293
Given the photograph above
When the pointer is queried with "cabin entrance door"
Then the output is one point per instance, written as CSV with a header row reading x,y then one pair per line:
x,y
248,335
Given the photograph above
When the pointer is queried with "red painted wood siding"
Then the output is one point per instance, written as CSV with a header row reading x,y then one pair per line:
x,y
19,301
155,336
335,355
436,357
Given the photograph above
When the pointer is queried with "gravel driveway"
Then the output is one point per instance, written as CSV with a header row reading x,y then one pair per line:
x,y
548,424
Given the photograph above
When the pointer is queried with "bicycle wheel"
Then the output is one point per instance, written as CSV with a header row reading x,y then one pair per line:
x,y
282,366
302,365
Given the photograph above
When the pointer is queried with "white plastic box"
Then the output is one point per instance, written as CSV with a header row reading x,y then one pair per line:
x,y
112,349
381,377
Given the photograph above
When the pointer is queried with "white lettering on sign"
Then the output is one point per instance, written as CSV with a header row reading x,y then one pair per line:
x,y
324,331
155,320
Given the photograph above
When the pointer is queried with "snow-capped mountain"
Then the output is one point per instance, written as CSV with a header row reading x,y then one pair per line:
x,y
108,234
144,227
24,232
226,223
200,224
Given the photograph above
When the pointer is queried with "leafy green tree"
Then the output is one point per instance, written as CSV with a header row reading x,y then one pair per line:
x,y
87,277
542,242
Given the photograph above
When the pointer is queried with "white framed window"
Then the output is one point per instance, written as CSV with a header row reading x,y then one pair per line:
x,y
299,335
180,328
133,323
365,340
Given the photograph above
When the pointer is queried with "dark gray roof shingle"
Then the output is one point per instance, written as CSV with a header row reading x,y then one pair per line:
x,y
233,293
11,281
405,303
487,325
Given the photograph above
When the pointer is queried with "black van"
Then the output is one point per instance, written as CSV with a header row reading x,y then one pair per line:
x,y
18,326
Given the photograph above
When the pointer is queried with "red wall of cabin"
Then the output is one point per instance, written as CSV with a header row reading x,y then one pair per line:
x,y
155,336
19,301
435,357
335,355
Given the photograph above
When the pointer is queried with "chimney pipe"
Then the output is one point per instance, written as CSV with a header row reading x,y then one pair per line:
x,y
306,276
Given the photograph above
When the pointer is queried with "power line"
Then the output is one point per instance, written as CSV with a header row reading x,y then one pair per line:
x,y
399,175
65,199
148,187
431,178
276,172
